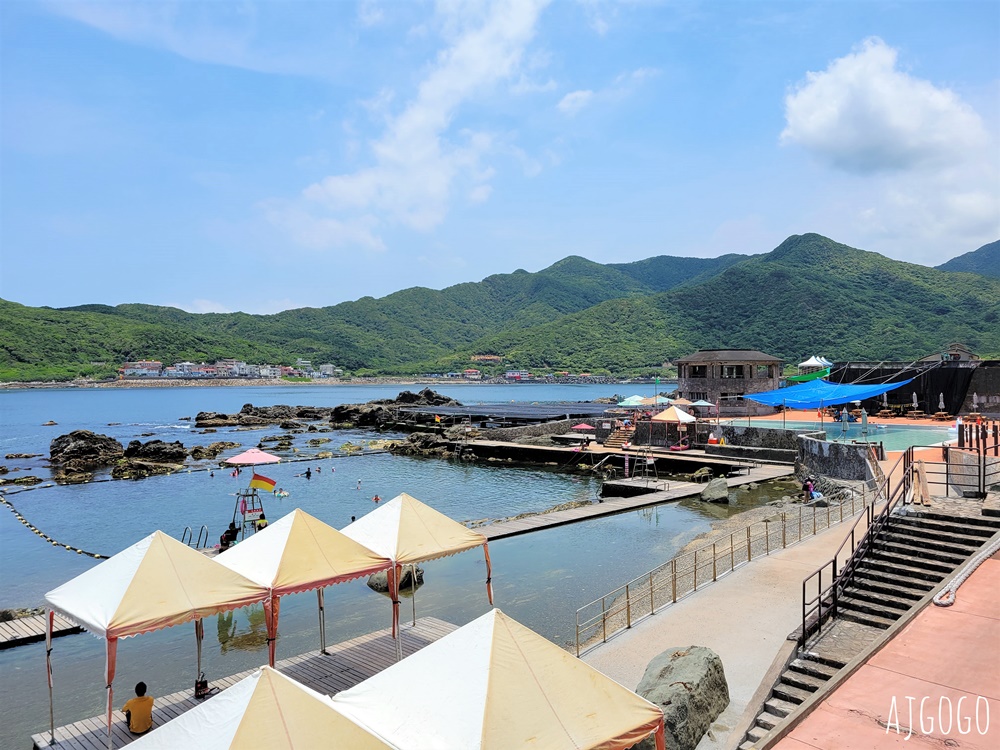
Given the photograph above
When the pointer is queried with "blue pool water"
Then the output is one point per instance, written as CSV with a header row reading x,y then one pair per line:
x,y
892,436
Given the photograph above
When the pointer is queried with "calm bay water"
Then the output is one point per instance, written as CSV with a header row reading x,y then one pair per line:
x,y
540,578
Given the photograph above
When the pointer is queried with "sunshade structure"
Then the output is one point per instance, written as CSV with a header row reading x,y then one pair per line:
x,y
673,414
408,532
267,711
806,377
299,553
681,402
583,426
631,401
702,402
814,361
819,393
655,400
492,685
252,457
156,583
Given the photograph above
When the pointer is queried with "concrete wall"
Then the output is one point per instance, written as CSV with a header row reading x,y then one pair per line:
x,y
836,460
761,437
510,434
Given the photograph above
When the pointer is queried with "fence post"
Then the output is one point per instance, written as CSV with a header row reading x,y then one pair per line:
x,y
604,617
696,570
783,544
800,523
732,554
749,557
814,520
767,536
651,606
673,580
713,562
628,607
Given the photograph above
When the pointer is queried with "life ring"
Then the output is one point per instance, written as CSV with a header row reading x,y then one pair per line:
x,y
243,506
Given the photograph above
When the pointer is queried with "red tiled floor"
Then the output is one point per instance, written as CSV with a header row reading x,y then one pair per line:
x,y
945,654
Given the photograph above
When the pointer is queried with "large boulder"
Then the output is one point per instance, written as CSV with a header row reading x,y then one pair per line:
x,y
83,450
716,491
380,581
157,451
689,685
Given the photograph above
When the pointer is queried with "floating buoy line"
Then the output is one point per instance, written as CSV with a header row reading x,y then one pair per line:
x,y
38,532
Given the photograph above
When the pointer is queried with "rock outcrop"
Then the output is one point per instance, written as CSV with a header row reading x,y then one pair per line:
x,y
83,451
689,684
716,491
380,581
422,444
157,451
378,412
259,416
201,452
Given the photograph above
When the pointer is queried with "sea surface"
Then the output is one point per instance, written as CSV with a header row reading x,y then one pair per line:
x,y
540,579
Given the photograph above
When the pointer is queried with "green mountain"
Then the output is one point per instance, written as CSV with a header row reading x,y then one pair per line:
x,y
985,261
808,295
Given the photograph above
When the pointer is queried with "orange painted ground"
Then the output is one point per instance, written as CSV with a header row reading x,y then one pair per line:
x,y
948,657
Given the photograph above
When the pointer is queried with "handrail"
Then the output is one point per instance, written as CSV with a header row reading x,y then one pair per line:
x,y
826,600
202,530
187,535
686,573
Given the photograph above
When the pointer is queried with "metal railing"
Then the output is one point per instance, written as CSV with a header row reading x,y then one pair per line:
x,y
656,589
187,537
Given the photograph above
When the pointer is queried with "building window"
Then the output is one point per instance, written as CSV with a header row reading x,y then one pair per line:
x,y
732,371
697,371
763,371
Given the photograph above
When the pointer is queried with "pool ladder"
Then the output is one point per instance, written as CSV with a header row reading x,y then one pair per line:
x,y
188,537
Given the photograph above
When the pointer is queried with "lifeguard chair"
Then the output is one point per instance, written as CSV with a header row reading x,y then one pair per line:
x,y
250,508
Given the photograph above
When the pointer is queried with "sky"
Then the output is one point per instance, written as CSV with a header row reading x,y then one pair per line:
x,y
261,156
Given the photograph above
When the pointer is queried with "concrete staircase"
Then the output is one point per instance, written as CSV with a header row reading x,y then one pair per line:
x,y
619,437
914,552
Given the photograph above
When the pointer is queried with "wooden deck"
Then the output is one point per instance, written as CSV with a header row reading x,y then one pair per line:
x,y
29,629
660,491
344,666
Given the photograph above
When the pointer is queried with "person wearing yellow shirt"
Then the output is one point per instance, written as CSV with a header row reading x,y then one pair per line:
x,y
139,711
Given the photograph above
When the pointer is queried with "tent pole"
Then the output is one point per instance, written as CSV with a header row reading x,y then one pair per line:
x,y
199,634
322,620
413,591
782,413
48,668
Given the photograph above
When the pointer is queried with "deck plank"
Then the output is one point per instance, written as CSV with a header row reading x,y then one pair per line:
x,y
347,664
32,628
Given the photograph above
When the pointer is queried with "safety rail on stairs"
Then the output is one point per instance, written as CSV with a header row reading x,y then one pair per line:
x,y
686,573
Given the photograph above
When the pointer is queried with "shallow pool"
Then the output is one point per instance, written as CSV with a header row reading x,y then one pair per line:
x,y
893,437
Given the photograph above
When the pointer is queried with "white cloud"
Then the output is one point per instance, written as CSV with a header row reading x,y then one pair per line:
x,y
574,101
322,232
417,160
370,13
863,115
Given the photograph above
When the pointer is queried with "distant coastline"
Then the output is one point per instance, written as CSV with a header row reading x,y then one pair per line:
x,y
254,382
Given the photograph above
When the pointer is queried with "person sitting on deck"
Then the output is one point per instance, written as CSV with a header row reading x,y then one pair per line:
x,y
228,538
139,711
261,522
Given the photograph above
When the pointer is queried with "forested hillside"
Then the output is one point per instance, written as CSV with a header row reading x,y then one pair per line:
x,y
809,295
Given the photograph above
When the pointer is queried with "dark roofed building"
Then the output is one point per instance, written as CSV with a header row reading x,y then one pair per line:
x,y
724,376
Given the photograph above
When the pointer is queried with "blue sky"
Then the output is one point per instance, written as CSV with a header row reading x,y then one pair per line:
x,y
261,156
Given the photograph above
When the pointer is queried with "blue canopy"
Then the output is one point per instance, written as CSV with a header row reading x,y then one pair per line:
x,y
819,393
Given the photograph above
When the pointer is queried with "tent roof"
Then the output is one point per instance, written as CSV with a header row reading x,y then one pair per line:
x,y
265,710
819,393
815,361
651,400
631,401
583,426
673,414
299,552
701,402
407,531
252,457
156,583
496,684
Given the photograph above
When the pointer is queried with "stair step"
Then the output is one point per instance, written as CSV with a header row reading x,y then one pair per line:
x,y
779,707
896,588
790,693
802,680
864,618
850,604
756,734
946,541
768,720
748,745
822,659
858,591
916,563
887,564
974,527
892,577
922,552
814,668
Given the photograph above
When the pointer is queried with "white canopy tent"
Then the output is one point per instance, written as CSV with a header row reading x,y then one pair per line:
x,y
265,711
495,684
408,532
156,583
815,362
298,552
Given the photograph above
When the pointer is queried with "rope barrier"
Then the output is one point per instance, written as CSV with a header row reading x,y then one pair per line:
x,y
946,596
38,532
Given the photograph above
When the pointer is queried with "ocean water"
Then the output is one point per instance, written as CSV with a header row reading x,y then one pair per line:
x,y
540,578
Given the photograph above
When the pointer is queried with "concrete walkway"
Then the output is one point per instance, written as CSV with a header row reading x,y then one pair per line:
x,y
744,617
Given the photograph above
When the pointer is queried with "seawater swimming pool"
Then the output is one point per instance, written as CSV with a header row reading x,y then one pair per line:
x,y
894,437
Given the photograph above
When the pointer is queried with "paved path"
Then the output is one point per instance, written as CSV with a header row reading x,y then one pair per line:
x,y
744,617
